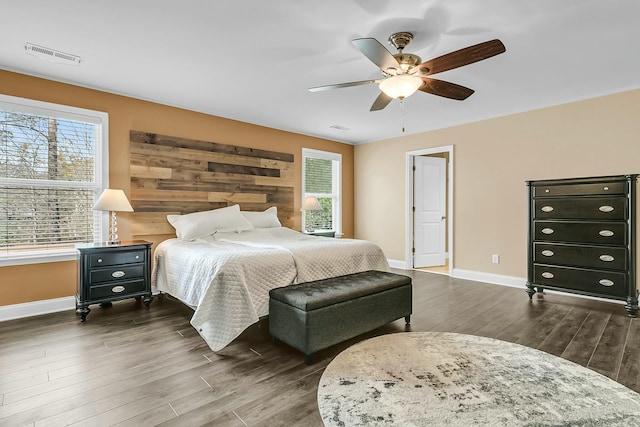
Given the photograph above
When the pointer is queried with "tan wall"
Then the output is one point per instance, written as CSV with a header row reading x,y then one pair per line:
x,y
492,160
19,284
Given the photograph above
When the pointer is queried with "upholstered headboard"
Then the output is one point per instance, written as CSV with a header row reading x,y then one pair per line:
x,y
171,175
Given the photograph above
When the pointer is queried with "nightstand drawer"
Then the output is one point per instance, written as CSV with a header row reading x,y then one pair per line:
x,y
115,290
580,189
592,281
604,233
609,258
594,208
116,258
125,272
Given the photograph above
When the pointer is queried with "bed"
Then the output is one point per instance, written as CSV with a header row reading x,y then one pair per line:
x,y
226,275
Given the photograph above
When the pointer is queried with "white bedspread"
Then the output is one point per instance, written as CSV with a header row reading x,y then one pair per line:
x,y
227,278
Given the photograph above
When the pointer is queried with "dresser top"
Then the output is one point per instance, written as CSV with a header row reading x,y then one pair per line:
x,y
586,180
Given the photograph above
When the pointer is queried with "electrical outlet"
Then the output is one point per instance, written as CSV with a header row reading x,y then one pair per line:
x,y
495,259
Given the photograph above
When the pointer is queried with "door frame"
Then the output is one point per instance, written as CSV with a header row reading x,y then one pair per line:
x,y
409,202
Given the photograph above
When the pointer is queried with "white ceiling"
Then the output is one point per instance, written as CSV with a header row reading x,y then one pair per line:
x,y
254,60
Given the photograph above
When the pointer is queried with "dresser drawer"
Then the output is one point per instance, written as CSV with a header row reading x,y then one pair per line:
x,y
596,208
115,290
592,281
125,272
610,258
599,233
580,189
116,258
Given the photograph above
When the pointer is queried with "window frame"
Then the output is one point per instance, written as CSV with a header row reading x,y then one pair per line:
x,y
101,173
336,184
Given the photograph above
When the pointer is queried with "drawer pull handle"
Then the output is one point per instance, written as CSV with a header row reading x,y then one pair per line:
x,y
547,231
606,282
547,209
606,258
606,208
547,252
99,260
547,275
117,289
606,188
546,190
137,256
605,233
118,274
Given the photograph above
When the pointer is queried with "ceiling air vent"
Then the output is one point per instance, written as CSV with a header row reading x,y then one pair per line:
x,y
338,127
51,54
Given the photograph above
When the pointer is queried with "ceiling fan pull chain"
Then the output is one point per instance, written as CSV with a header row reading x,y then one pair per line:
x,y
402,104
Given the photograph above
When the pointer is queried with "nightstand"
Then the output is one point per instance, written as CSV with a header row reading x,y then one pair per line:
x,y
112,272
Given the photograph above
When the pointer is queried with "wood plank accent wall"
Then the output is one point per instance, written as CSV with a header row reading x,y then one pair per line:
x,y
171,175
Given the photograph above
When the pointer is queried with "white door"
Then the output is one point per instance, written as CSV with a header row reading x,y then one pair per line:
x,y
429,199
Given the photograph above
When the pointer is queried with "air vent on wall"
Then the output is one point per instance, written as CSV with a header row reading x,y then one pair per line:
x,y
51,54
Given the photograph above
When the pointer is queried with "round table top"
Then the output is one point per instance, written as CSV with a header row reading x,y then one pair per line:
x,y
432,378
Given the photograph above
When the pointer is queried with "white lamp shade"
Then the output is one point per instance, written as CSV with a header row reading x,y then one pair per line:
x,y
400,86
113,200
311,204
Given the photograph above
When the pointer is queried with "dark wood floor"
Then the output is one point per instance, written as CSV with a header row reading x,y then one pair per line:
x,y
131,366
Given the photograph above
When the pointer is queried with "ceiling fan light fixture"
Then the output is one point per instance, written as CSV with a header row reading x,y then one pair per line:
x,y
401,86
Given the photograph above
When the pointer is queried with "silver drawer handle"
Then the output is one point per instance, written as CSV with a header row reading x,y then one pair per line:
x,y
607,258
605,233
547,209
606,282
137,256
99,260
547,275
605,208
606,188
547,231
118,274
547,252
546,190
117,289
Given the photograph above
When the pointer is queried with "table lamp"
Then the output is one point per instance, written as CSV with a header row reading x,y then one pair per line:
x,y
113,200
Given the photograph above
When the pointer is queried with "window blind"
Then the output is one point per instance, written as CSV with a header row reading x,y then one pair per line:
x,y
48,181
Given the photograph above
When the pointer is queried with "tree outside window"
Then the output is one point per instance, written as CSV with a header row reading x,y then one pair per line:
x,y
48,177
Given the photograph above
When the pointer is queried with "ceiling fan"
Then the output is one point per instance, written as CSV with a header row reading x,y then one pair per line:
x,y
405,73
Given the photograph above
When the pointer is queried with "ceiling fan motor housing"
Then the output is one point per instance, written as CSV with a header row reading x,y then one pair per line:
x,y
400,41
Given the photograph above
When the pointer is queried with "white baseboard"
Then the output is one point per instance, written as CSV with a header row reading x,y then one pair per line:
x,y
496,279
18,311
401,265
515,282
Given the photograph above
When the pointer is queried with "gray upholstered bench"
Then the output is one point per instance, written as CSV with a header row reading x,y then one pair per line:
x,y
316,315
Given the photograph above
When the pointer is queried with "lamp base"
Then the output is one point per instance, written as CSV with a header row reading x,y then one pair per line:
x,y
113,242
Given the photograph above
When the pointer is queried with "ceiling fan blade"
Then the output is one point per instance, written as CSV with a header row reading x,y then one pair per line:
x,y
461,57
445,89
378,54
340,85
381,101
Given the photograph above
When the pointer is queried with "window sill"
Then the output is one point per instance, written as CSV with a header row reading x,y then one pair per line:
x,y
38,257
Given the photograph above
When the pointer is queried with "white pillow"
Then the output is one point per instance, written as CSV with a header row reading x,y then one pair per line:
x,y
200,224
266,219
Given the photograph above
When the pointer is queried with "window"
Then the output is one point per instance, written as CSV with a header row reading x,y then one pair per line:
x,y
53,166
322,178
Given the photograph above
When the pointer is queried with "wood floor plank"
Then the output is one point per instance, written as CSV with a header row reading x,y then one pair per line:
x,y
584,343
559,338
608,353
130,366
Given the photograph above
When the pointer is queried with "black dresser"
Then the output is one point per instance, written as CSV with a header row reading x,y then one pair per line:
x,y
112,272
582,237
